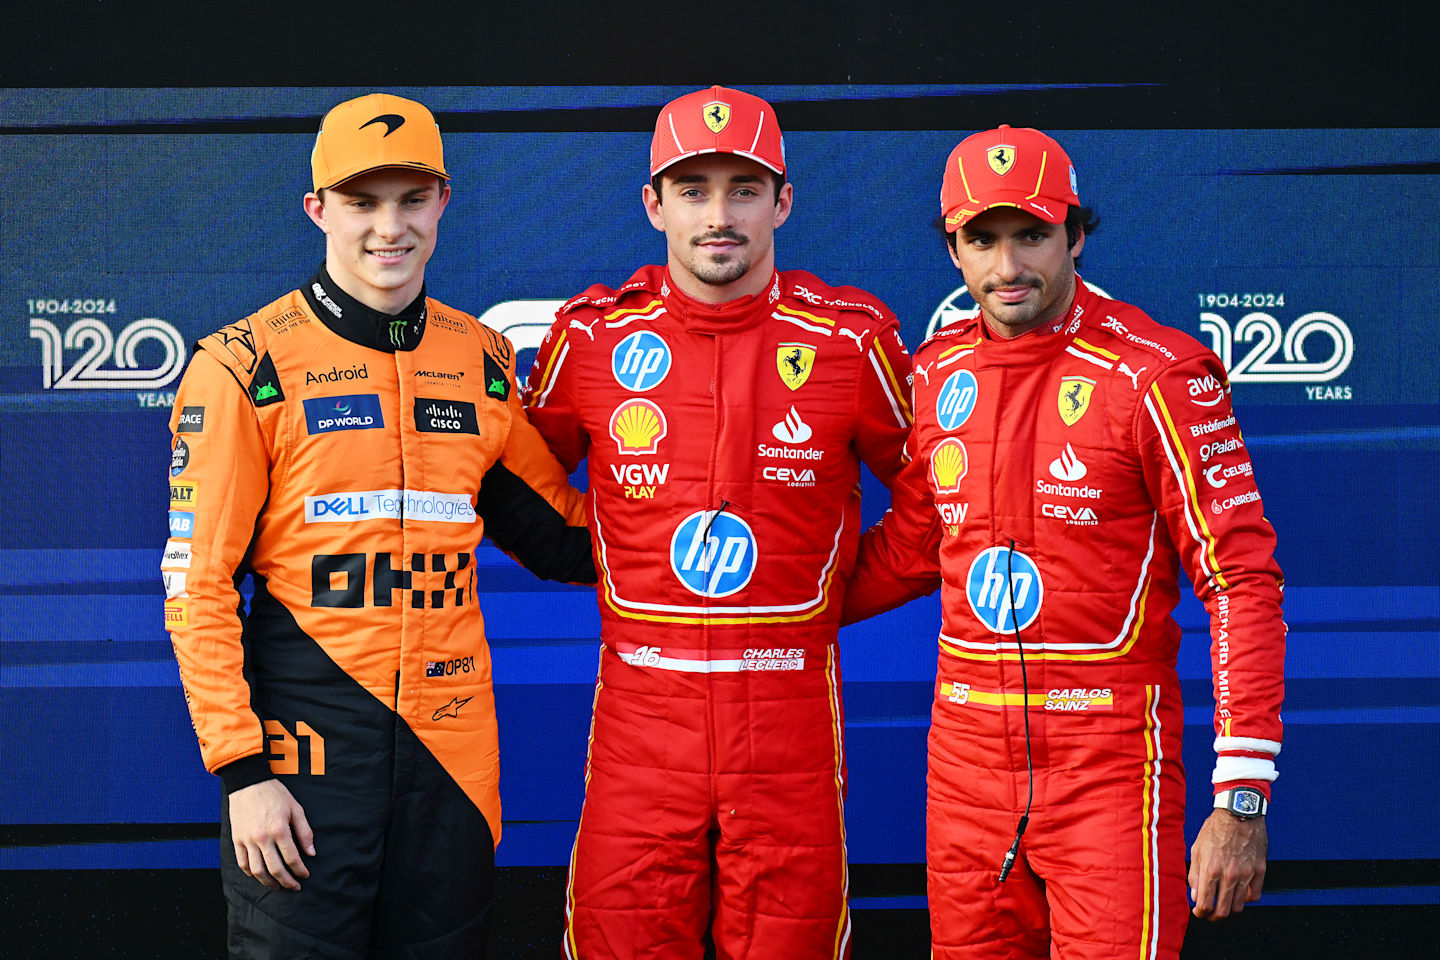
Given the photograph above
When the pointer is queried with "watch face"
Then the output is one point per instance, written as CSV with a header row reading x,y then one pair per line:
x,y
1246,802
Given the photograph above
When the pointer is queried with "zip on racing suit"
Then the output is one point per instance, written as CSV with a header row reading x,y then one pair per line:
x,y
1065,476
724,447
349,461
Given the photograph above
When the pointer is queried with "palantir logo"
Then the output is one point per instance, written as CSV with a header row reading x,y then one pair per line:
x,y
1000,601
640,361
713,553
956,400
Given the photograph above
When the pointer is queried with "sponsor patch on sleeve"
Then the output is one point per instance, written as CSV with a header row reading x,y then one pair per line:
x,y
177,614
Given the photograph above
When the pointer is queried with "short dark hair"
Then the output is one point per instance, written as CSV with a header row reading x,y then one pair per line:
x,y
777,178
1078,220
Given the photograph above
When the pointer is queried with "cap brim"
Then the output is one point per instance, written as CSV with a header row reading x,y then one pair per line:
x,y
695,153
352,174
1046,208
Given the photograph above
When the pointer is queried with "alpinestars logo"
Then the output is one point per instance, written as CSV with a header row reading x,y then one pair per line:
x,y
1067,466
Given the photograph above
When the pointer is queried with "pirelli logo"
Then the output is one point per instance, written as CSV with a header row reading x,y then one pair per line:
x,y
432,581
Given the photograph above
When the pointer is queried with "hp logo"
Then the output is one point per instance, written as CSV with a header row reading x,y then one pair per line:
x,y
640,361
716,564
990,594
956,400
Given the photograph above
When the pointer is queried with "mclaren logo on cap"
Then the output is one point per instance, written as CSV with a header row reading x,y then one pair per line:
x,y
1002,158
393,122
717,115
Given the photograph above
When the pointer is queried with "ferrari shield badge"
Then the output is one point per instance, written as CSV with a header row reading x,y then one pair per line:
x,y
1074,398
717,115
1002,159
795,361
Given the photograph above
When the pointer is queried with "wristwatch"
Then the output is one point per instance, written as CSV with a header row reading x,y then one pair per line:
x,y
1247,803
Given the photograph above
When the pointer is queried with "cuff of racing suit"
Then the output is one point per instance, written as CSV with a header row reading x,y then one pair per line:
x,y
1245,762
245,772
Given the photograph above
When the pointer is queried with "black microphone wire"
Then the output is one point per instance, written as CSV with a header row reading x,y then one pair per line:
x,y
1025,710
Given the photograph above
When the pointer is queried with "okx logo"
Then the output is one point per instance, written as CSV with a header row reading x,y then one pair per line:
x,y
713,553
1004,589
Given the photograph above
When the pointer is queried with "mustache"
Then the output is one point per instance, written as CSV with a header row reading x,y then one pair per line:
x,y
728,235
992,286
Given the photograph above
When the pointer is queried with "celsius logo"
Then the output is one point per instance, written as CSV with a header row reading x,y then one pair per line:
x,y
96,344
640,361
1258,364
713,553
792,429
1067,466
956,400
1004,604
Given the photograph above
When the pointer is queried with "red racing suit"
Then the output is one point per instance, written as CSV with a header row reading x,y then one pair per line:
x,y
724,447
1066,476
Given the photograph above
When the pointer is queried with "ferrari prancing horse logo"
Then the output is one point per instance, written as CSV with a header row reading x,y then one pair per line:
x,y
717,115
1002,158
1074,398
795,361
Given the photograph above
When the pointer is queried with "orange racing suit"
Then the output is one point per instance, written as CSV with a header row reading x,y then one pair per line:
x,y
349,462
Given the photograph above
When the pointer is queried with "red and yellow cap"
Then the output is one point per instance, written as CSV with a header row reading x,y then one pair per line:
x,y
717,120
1007,167
375,131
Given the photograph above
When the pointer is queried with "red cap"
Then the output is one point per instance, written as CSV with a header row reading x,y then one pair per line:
x,y
1007,167
717,120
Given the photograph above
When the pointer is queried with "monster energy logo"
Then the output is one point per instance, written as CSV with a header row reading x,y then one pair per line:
x,y
397,332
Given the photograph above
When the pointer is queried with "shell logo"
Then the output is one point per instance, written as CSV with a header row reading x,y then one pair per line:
x,y
637,427
948,464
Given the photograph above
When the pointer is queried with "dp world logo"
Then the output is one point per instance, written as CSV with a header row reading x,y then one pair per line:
x,y
640,361
990,593
713,553
956,400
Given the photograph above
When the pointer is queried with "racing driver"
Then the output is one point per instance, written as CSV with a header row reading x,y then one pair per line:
x,y
1070,456
725,410
346,446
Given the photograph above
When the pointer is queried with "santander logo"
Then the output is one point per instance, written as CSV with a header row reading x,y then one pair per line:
x,y
1067,466
792,429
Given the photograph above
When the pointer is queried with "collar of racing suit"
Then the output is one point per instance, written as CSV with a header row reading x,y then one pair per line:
x,y
364,325
729,317
1038,345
